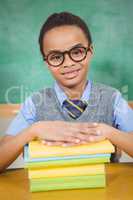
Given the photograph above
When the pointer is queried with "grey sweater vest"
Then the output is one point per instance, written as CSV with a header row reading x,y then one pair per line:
x,y
100,105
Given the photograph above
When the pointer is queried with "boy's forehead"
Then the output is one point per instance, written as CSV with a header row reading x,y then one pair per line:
x,y
63,37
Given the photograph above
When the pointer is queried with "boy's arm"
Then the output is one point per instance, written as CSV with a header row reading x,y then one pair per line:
x,y
12,146
123,120
122,140
17,134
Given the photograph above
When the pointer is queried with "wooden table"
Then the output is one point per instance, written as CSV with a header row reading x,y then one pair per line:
x,y
14,186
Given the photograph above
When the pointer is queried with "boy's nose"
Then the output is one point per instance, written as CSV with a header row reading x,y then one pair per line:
x,y
67,61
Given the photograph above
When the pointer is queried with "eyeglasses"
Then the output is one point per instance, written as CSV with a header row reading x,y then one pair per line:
x,y
77,54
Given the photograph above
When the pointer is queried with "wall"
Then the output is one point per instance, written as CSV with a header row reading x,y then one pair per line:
x,y
22,70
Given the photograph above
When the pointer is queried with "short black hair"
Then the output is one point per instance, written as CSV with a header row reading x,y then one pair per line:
x,y
60,19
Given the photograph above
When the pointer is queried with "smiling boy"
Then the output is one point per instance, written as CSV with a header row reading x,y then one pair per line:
x,y
75,110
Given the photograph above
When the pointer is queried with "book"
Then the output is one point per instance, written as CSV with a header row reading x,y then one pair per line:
x,y
63,183
39,150
64,161
67,171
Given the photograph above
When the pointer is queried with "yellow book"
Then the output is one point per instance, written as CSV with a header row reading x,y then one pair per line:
x,y
39,150
67,171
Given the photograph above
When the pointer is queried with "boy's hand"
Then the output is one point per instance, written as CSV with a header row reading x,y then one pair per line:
x,y
100,132
60,131
60,143
94,134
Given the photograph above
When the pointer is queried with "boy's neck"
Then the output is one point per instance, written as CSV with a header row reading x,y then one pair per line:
x,y
76,91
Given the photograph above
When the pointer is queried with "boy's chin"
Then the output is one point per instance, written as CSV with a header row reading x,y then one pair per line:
x,y
71,83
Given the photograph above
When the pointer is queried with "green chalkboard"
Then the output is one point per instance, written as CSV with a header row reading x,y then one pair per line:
x,y
22,70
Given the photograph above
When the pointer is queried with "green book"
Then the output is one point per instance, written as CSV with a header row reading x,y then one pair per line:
x,y
63,183
63,163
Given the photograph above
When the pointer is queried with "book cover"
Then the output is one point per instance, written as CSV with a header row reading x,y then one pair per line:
x,y
39,150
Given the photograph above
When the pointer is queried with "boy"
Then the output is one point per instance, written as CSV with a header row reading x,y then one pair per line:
x,y
75,110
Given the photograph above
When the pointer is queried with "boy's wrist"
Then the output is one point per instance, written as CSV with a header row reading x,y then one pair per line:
x,y
32,133
112,135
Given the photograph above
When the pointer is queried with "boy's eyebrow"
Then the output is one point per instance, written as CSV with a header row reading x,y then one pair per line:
x,y
57,50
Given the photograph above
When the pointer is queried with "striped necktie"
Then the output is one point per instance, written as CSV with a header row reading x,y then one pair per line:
x,y
74,107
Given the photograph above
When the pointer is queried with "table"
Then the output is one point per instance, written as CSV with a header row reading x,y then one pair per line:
x,y
14,185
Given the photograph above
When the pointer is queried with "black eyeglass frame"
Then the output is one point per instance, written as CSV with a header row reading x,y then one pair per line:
x,y
68,52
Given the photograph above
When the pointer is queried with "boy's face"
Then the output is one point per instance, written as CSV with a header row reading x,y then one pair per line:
x,y
70,73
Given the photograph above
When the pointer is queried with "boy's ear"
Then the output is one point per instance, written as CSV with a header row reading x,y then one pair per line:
x,y
90,53
91,49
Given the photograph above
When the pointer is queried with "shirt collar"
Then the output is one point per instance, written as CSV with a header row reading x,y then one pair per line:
x,y
62,96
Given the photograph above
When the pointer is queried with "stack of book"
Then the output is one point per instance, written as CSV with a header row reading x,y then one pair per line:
x,y
57,167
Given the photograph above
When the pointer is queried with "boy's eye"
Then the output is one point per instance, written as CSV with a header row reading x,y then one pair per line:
x,y
55,57
77,52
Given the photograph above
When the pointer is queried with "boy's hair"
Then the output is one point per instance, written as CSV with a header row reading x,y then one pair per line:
x,y
61,19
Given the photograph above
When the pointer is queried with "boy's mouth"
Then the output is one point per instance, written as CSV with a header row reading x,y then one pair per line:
x,y
71,73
